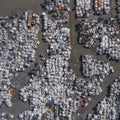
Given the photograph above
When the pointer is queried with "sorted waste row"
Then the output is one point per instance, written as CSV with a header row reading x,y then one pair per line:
x,y
109,107
51,92
93,67
84,7
18,39
104,36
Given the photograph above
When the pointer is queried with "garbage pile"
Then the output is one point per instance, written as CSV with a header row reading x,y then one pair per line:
x,y
85,89
6,116
102,6
83,8
93,67
60,43
103,35
57,36
118,10
109,107
110,47
59,9
57,5
49,93
88,33
18,43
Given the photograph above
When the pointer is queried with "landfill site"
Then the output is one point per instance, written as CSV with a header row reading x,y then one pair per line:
x,y
59,60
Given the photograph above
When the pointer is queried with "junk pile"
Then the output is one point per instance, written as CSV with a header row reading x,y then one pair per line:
x,y
103,35
93,67
118,10
57,36
59,9
60,43
110,46
83,8
102,6
109,107
51,93
85,89
6,116
18,43
57,5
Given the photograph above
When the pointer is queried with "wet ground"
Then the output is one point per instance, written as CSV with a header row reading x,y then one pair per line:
x,y
10,6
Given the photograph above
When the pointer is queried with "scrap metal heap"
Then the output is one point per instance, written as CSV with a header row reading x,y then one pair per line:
x,y
17,50
109,107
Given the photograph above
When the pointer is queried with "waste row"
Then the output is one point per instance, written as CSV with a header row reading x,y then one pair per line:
x,y
93,67
104,36
102,6
59,38
109,107
57,6
18,39
6,116
56,92
83,7
118,10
